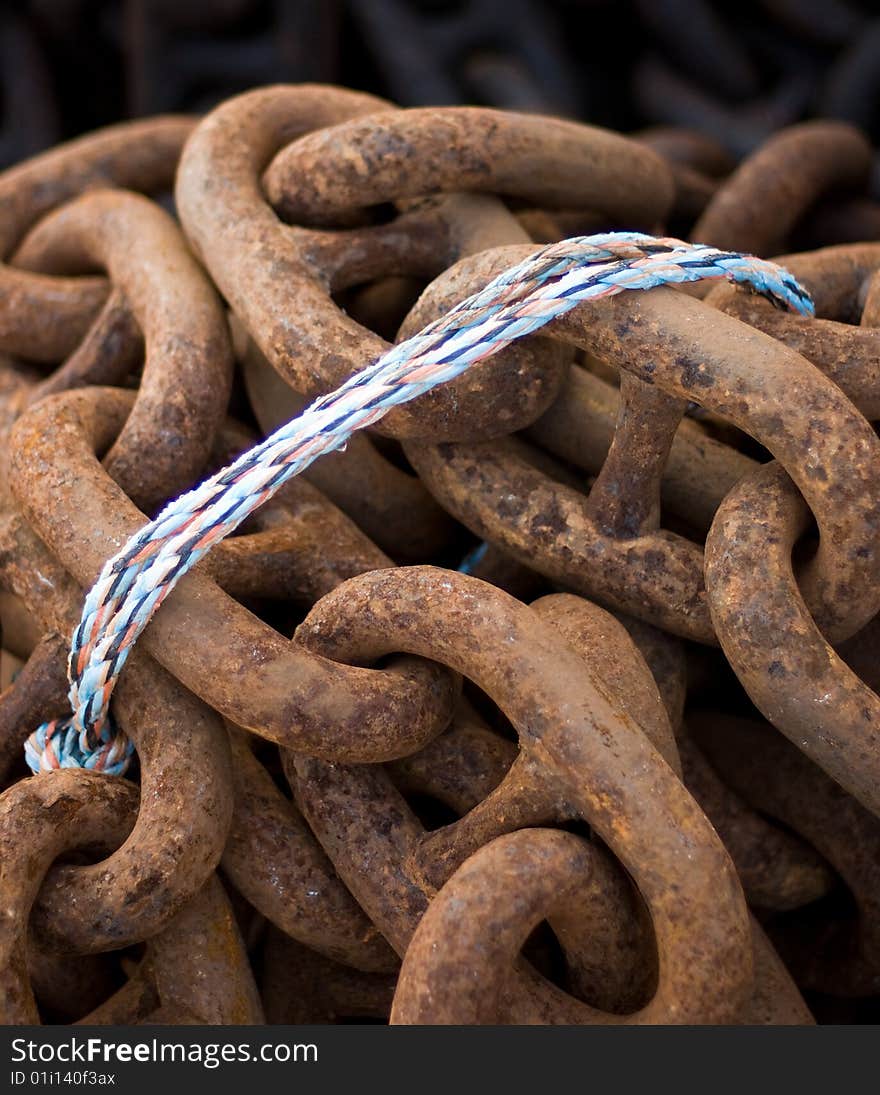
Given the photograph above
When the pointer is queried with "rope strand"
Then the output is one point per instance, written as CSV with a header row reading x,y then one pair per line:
x,y
517,302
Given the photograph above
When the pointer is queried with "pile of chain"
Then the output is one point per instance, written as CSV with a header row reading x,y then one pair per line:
x,y
551,698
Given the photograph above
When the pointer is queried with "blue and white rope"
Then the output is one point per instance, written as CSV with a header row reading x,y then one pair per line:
x,y
517,302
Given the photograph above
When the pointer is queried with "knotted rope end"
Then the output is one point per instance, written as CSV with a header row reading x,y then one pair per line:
x,y
60,744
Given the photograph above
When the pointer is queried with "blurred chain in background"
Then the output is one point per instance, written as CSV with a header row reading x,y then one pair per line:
x,y
736,72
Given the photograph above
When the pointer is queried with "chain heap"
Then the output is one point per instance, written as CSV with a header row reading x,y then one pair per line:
x,y
368,474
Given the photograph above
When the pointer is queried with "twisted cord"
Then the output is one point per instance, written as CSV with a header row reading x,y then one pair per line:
x,y
517,302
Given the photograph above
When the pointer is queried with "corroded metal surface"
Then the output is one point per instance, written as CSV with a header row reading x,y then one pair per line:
x,y
534,792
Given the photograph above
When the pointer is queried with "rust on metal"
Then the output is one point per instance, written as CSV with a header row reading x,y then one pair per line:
x,y
463,725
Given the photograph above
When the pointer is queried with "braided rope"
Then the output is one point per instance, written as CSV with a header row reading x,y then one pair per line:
x,y
518,302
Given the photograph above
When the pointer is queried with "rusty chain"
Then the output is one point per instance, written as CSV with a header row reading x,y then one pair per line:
x,y
553,697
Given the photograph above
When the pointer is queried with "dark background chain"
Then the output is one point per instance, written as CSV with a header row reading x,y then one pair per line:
x,y
737,72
